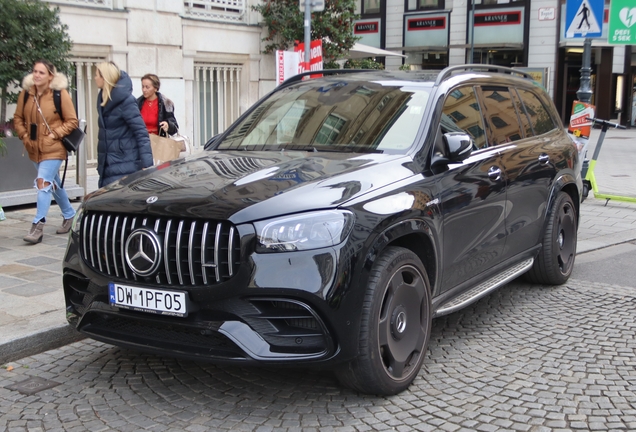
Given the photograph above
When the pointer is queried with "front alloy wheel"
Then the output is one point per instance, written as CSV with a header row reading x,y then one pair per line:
x,y
395,326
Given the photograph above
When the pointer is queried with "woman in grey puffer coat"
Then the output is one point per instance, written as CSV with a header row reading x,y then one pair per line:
x,y
123,144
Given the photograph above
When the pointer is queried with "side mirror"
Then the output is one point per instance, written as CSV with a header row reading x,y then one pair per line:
x,y
458,146
455,147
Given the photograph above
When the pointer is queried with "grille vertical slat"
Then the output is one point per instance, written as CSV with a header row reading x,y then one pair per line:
x,y
230,249
190,251
106,244
122,245
85,238
204,242
156,228
166,256
104,235
133,224
115,245
98,242
91,236
217,251
178,252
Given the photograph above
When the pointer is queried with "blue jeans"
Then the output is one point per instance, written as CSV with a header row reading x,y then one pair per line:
x,y
48,170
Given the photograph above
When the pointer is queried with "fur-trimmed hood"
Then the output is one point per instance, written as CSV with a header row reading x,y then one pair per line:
x,y
59,82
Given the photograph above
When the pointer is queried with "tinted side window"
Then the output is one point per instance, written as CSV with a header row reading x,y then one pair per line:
x,y
526,125
501,115
539,116
462,112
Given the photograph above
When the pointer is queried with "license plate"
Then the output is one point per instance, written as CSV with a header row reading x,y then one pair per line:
x,y
148,300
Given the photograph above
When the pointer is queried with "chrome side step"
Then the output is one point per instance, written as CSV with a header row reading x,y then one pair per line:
x,y
484,288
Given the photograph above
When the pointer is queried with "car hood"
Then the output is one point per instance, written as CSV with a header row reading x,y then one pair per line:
x,y
245,186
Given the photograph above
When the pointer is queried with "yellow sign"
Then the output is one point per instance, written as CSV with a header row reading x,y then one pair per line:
x,y
540,75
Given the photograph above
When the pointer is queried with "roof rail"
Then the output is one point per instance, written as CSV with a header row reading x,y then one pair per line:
x,y
479,67
300,76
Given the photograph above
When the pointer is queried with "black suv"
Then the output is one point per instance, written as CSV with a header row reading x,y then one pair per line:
x,y
332,222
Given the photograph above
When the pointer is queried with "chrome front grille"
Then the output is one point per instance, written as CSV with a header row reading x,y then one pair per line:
x,y
195,252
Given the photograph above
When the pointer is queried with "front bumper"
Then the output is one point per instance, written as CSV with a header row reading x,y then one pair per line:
x,y
264,314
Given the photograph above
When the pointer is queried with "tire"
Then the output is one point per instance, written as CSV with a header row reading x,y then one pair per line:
x,y
395,326
554,264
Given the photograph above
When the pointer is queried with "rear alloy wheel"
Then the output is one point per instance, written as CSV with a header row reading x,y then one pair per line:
x,y
554,264
395,326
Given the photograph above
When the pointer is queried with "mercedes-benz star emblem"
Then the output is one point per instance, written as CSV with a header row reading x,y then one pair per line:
x,y
143,251
151,199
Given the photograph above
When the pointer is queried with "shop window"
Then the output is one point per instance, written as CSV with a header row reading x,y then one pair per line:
x,y
497,2
370,7
412,5
216,99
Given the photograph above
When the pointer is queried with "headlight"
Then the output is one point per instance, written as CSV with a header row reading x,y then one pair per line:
x,y
305,231
77,220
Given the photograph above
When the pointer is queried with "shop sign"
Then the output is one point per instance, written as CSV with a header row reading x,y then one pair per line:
x,y
547,14
366,27
433,23
497,18
426,30
498,26
622,22
369,32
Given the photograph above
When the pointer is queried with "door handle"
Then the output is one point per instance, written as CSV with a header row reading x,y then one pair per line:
x,y
544,159
494,173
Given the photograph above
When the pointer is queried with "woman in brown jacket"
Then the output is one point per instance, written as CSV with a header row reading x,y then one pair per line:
x,y
41,129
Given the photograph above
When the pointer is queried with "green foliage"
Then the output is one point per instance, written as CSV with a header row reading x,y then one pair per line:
x,y
29,31
284,23
366,63
405,67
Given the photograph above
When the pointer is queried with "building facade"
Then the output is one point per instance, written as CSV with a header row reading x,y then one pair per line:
x,y
527,34
208,53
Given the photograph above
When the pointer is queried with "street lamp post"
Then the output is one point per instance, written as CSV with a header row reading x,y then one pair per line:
x,y
584,93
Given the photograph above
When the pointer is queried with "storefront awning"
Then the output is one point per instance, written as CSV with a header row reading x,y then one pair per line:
x,y
363,51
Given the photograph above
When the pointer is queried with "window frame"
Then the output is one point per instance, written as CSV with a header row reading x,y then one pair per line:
x,y
441,5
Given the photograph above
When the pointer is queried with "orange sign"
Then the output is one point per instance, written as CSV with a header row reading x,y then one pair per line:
x,y
580,126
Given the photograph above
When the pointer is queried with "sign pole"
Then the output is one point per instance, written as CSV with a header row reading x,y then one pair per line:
x,y
584,93
307,33
472,35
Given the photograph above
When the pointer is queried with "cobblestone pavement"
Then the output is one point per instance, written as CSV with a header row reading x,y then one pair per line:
x,y
527,358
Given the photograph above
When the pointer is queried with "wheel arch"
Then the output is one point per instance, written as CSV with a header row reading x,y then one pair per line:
x,y
566,183
413,234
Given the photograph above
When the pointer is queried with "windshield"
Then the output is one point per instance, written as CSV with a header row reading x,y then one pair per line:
x,y
334,115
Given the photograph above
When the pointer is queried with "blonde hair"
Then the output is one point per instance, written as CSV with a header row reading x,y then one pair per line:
x,y
110,73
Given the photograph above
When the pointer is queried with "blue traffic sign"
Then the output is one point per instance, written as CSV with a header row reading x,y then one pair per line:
x,y
584,19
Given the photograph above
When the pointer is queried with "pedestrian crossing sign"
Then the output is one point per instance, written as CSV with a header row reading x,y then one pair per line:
x,y
584,19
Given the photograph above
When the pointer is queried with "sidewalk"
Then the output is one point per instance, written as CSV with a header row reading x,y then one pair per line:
x,y
32,316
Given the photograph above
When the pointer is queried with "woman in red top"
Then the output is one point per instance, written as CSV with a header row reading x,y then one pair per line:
x,y
156,110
